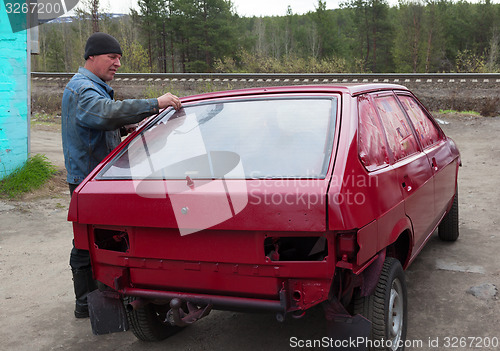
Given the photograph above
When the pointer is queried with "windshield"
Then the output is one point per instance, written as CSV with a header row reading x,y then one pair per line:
x,y
243,139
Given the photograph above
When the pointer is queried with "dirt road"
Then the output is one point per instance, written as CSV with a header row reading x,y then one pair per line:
x,y
36,299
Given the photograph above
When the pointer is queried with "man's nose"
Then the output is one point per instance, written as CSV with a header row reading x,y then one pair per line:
x,y
117,62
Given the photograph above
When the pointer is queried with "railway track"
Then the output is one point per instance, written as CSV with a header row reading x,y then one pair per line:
x,y
399,78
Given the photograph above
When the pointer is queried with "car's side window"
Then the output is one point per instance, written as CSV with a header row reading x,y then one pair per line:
x,y
372,147
427,132
399,134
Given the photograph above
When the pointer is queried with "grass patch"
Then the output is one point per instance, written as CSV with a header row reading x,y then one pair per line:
x,y
460,112
35,172
45,119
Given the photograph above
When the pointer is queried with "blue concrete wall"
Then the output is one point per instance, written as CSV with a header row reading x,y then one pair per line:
x,y
14,92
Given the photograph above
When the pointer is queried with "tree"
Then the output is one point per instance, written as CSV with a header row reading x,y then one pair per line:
x,y
374,32
325,30
408,46
95,15
204,31
55,52
90,9
149,18
492,64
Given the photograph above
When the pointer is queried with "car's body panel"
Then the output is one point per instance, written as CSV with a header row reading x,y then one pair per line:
x,y
279,205
415,176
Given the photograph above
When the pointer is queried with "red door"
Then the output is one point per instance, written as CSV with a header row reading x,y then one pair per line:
x,y
412,167
437,149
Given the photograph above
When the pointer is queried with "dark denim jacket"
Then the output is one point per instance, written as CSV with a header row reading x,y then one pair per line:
x,y
91,122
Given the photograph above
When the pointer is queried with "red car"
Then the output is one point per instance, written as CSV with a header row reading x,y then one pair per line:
x,y
274,199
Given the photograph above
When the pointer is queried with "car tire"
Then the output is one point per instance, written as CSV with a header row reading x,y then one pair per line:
x,y
386,308
448,228
148,322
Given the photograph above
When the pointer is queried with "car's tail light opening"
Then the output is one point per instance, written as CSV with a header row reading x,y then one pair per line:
x,y
296,248
111,240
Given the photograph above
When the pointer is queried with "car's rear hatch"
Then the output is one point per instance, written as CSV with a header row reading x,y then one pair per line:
x,y
197,203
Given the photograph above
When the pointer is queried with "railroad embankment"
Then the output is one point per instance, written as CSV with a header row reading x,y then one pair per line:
x,y
480,93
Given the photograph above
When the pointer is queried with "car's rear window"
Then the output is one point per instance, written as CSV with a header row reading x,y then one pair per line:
x,y
426,131
245,139
371,142
399,134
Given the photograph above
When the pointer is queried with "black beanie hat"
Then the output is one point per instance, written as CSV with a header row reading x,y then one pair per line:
x,y
101,43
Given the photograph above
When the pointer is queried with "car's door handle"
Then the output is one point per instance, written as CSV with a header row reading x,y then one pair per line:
x,y
406,184
434,164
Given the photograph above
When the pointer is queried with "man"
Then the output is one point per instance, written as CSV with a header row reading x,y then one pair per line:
x,y
91,122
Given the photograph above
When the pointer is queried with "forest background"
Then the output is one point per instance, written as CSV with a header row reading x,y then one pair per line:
x,y
361,36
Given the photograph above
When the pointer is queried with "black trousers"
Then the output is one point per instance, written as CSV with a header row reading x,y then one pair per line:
x,y
79,259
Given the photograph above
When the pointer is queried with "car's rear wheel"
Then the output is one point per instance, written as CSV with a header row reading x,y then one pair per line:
x,y
448,228
148,322
386,308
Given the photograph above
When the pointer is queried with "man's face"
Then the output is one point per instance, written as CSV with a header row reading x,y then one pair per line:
x,y
105,66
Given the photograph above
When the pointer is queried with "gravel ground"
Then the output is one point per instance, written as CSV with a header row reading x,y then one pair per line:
x,y
453,295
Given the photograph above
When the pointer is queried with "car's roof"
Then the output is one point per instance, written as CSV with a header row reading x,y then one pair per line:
x,y
346,88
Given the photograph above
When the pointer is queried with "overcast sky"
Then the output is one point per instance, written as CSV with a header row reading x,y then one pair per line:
x,y
243,7
278,7
249,8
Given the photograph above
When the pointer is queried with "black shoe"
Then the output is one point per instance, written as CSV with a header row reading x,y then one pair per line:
x,y
84,284
81,310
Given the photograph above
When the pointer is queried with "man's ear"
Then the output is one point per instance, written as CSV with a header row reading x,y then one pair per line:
x,y
89,62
